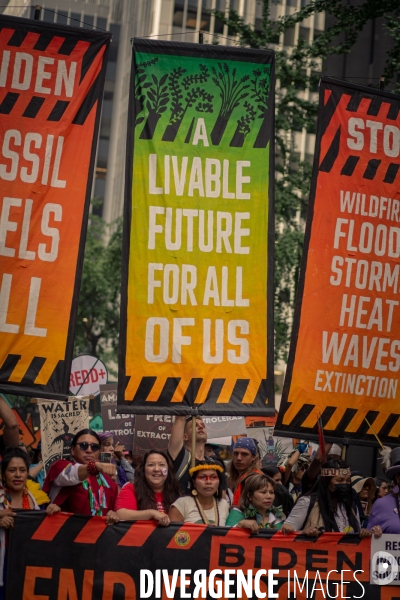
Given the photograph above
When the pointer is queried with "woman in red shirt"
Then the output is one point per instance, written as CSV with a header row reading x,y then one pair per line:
x,y
154,490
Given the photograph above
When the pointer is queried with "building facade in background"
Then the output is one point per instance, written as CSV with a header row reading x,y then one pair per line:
x,y
181,20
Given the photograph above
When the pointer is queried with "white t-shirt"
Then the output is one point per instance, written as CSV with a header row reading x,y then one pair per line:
x,y
188,508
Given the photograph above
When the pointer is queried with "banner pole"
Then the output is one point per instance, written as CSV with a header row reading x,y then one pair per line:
x,y
193,462
37,12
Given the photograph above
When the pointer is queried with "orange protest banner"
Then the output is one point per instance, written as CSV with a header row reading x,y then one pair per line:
x,y
345,354
51,85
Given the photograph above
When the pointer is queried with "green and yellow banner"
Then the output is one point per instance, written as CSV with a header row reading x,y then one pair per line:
x,y
196,324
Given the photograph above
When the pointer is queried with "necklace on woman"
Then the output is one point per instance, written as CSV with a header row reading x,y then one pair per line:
x,y
25,499
203,514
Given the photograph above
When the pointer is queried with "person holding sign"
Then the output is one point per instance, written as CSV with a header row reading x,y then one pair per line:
x,y
154,491
205,505
84,485
180,444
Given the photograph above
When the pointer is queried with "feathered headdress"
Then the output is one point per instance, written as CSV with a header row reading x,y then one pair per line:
x,y
385,453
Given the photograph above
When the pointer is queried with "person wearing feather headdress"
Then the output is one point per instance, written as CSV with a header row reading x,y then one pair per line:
x,y
205,505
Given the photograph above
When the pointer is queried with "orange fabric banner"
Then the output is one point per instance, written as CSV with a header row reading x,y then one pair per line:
x,y
345,355
51,83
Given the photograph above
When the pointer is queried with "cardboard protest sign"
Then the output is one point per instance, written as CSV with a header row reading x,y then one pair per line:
x,y
218,426
345,354
196,324
122,426
152,432
51,85
59,422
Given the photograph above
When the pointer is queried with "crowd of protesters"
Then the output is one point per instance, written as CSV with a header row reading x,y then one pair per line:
x,y
307,495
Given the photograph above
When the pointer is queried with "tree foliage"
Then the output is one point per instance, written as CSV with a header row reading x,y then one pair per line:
x,y
97,328
298,68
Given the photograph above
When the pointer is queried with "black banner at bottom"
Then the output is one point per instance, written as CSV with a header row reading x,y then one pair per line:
x,y
73,557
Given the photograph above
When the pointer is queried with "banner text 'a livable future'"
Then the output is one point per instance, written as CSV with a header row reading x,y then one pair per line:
x,y
196,316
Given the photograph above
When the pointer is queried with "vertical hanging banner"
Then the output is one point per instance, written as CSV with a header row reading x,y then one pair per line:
x,y
197,290
51,85
345,354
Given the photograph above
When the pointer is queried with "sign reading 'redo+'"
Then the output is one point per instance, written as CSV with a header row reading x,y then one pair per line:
x,y
197,283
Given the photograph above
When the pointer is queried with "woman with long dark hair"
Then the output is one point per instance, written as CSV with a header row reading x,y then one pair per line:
x,y
330,507
154,490
83,485
14,494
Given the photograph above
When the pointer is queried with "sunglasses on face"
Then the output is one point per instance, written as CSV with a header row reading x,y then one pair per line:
x,y
85,445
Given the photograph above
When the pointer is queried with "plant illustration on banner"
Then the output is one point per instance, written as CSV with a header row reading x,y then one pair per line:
x,y
242,99
179,110
141,84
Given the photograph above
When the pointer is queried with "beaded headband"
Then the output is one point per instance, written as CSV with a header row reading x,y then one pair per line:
x,y
206,467
334,472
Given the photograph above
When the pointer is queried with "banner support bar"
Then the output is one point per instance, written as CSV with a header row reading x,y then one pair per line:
x,y
37,12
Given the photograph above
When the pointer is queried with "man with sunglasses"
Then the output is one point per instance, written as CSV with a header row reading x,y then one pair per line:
x,y
84,485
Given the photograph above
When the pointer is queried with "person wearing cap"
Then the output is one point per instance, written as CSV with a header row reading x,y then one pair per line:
x,y
205,505
365,488
242,465
330,508
386,511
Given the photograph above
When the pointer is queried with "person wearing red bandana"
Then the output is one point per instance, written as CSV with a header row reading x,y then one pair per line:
x,y
84,485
